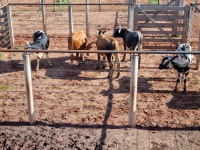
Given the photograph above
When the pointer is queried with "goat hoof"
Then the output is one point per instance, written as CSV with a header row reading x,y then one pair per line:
x,y
109,76
184,92
118,75
97,68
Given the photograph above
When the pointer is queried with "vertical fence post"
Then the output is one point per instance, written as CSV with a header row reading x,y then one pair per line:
x,y
198,56
87,18
190,22
10,27
70,18
40,6
44,17
131,7
133,90
29,88
99,6
54,1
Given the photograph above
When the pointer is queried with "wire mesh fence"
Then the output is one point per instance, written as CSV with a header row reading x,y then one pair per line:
x,y
5,37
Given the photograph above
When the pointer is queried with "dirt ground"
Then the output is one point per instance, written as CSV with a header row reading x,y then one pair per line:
x,y
79,108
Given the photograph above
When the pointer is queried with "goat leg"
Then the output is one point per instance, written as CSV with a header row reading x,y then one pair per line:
x,y
71,58
98,65
185,80
177,82
110,74
117,62
48,60
38,63
104,62
124,57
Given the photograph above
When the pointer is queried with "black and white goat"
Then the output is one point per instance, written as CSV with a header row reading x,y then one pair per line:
x,y
132,39
180,62
40,42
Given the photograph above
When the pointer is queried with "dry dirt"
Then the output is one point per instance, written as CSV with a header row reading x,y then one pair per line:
x,y
78,107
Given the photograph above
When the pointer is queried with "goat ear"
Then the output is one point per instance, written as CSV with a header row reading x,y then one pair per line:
x,y
98,32
104,31
167,55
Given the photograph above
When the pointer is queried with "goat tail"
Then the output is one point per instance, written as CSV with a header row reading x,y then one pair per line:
x,y
140,40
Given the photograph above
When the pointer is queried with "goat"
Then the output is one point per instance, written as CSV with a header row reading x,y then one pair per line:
x,y
180,62
131,39
78,41
108,43
40,42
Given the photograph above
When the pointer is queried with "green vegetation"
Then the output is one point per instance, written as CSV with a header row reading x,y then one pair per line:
x,y
62,1
61,7
3,87
153,2
1,56
17,47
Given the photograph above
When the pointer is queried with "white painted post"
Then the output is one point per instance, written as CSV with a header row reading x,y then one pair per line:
x,y
71,30
54,1
198,56
99,6
131,14
87,18
29,88
44,17
40,6
133,90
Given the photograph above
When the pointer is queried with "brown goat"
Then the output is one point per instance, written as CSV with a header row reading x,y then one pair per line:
x,y
108,43
78,41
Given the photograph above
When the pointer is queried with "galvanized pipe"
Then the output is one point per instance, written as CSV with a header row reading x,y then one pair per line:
x,y
104,51
133,90
87,18
198,57
44,17
29,88
69,4
71,29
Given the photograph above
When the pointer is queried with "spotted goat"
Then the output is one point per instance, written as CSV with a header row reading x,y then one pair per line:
x,y
40,42
180,62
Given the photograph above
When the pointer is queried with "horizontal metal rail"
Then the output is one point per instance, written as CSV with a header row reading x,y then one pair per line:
x,y
70,4
101,51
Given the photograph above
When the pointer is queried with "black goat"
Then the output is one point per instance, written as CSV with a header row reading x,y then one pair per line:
x,y
132,39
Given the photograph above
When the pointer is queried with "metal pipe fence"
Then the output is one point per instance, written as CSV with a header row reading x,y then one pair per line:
x,y
53,85
46,91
